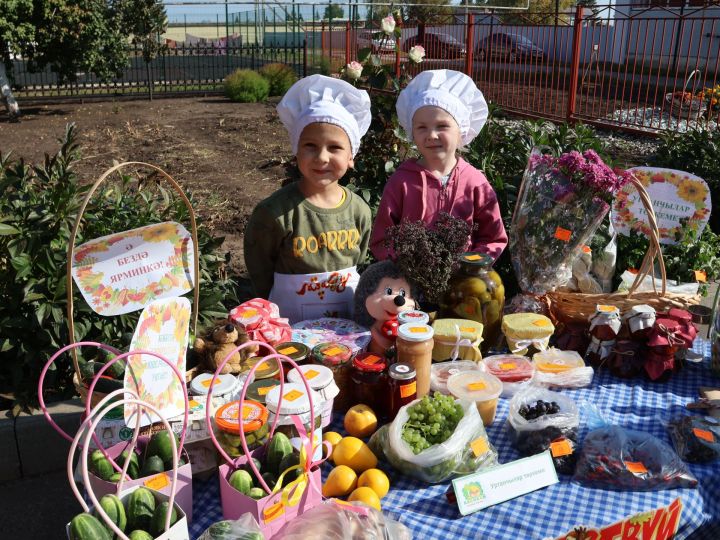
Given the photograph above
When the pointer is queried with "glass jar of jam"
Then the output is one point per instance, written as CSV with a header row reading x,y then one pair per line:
x,y
296,402
476,292
257,390
269,369
299,352
414,346
402,388
640,320
573,337
368,378
254,424
605,323
599,352
337,356
663,343
322,381
627,359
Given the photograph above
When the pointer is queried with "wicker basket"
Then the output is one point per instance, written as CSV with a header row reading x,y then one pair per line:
x,y
680,110
578,307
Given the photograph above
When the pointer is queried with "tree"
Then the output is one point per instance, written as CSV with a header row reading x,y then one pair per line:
x,y
70,36
541,12
438,13
333,11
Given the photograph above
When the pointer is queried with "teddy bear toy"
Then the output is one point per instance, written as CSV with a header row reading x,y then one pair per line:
x,y
218,341
381,294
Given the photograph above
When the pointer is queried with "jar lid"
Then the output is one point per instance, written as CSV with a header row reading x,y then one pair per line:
x,y
442,371
641,310
557,361
254,416
413,316
295,399
449,328
604,310
415,332
258,390
474,386
269,368
680,315
402,372
477,259
293,349
660,336
510,367
369,362
248,316
200,385
317,376
332,353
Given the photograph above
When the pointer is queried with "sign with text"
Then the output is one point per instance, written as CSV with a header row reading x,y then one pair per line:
x,y
681,202
163,329
124,272
504,482
659,524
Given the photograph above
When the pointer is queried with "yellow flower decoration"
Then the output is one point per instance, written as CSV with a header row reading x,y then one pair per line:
x,y
159,233
692,191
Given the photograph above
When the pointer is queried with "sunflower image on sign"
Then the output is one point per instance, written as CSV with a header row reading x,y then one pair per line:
x,y
473,492
680,200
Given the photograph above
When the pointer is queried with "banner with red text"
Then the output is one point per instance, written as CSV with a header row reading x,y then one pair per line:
x,y
126,271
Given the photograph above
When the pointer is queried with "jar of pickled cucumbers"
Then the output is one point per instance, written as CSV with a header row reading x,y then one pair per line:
x,y
476,292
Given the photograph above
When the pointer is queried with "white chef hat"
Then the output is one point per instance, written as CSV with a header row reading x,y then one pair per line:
x,y
450,90
323,99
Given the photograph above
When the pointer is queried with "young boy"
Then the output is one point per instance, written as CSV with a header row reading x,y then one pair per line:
x,y
302,244
443,111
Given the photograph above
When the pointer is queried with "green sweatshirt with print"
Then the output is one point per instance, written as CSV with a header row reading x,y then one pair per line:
x,y
288,235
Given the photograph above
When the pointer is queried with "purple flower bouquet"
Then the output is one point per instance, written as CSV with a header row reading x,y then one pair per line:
x,y
562,202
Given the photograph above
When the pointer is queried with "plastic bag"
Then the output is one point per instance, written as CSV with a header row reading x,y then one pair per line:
x,y
533,430
561,369
646,285
458,455
696,439
245,528
334,521
605,261
616,458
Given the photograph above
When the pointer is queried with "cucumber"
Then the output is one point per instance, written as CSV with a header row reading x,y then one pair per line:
x,y
101,466
161,446
133,469
140,535
288,461
87,527
152,465
278,448
248,468
257,493
140,509
270,479
242,481
157,526
115,478
115,510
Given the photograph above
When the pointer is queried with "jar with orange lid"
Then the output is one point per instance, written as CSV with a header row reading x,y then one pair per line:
x,y
254,425
337,357
414,346
369,381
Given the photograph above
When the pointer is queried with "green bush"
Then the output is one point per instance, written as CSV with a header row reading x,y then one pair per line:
x,y
279,76
697,152
38,205
246,86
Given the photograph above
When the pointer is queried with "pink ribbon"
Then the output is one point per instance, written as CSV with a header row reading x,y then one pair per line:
x,y
261,320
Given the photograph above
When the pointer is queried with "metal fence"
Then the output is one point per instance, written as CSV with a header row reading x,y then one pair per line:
x,y
638,67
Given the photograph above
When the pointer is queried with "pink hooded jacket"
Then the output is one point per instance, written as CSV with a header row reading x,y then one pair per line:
x,y
413,193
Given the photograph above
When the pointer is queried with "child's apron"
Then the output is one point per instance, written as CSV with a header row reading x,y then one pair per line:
x,y
311,296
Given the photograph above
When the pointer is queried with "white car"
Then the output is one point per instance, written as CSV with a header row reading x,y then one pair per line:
x,y
376,41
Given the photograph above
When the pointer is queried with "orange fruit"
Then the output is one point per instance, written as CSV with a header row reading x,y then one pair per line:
x,y
360,421
341,481
376,480
367,496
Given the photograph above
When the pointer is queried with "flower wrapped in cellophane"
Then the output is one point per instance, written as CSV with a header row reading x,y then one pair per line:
x,y
562,202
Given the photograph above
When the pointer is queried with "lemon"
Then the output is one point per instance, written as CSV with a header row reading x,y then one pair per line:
x,y
367,496
333,438
360,421
354,453
376,480
341,481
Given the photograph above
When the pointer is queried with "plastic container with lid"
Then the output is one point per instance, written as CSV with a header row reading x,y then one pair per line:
x,y
254,422
413,316
226,384
337,357
563,369
442,371
524,330
296,401
258,390
369,381
295,351
514,371
322,381
402,388
482,388
270,369
414,346
459,337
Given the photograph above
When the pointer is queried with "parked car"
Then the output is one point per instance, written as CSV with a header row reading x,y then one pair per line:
x,y
376,41
508,47
437,45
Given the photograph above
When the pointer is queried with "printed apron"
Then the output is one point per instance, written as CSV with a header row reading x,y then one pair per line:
x,y
312,296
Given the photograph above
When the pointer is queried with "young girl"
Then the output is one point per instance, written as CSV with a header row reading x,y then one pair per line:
x,y
443,110
302,243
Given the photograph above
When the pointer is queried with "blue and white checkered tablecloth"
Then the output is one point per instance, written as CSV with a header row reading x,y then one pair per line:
x,y
555,510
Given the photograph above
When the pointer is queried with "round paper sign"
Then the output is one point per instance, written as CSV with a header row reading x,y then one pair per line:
x,y
681,202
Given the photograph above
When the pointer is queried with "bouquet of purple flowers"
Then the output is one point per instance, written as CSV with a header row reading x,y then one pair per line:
x,y
562,202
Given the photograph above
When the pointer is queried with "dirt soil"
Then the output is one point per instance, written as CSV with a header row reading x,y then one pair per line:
x,y
229,155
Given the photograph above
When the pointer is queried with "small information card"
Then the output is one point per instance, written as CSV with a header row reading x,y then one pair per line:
x,y
504,482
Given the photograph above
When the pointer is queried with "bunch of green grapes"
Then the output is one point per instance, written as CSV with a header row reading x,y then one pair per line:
x,y
432,420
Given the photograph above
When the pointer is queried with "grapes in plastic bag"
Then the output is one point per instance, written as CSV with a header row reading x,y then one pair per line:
x,y
617,458
696,439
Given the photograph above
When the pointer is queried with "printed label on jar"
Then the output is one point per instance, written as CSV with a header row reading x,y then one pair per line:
x,y
296,443
264,390
635,467
206,382
507,366
606,309
372,359
468,329
249,313
475,257
704,435
332,351
407,390
288,350
292,395
311,374
418,330
479,446
553,367
476,386
561,448
542,323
